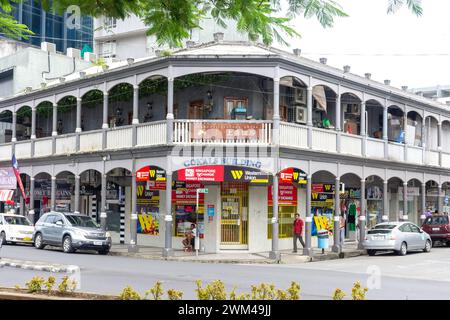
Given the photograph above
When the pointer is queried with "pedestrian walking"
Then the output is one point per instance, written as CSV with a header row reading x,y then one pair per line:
x,y
298,232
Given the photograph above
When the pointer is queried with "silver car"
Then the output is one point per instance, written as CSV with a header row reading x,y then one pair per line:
x,y
398,236
71,232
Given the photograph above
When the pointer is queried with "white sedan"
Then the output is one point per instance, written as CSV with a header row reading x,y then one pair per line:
x,y
15,228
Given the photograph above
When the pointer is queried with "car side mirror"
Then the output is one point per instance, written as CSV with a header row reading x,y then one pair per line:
x,y
421,231
59,223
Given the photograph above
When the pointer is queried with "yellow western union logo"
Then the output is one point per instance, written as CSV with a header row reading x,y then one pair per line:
x,y
321,222
140,191
295,176
314,195
328,187
152,173
237,174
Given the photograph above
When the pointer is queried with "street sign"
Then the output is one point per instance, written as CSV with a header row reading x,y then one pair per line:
x,y
202,190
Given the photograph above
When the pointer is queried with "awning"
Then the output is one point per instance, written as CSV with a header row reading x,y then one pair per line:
x,y
321,98
6,195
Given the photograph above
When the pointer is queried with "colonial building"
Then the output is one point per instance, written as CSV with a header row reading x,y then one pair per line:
x,y
135,146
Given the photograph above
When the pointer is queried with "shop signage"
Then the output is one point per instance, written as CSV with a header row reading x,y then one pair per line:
x,y
322,188
287,195
239,174
351,193
186,193
223,161
8,179
293,175
227,131
202,173
412,191
151,173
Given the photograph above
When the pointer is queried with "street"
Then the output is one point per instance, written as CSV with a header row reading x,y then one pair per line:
x,y
415,276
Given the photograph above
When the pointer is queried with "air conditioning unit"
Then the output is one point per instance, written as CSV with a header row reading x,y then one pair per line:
x,y
300,96
300,114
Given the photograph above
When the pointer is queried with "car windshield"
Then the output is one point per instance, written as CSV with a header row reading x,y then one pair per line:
x,y
437,220
21,221
82,221
385,226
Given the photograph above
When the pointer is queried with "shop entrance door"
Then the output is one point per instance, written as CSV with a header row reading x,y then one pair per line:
x,y
234,216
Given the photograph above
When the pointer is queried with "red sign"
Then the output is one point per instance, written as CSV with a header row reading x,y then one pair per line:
x,y
156,185
188,194
202,173
143,174
287,176
287,195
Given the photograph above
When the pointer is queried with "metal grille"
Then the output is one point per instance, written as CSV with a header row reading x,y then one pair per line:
x,y
234,216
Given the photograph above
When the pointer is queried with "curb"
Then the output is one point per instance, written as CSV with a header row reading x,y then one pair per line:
x,y
180,259
33,265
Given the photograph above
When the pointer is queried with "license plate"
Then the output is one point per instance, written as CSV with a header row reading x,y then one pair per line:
x,y
97,243
378,238
436,229
27,239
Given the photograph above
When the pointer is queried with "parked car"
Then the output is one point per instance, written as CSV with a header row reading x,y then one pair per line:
x,y
15,228
70,232
400,237
439,229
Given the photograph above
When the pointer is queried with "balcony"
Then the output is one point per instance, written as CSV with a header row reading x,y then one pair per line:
x,y
225,132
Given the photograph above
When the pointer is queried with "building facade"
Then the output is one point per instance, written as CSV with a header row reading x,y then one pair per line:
x,y
63,30
121,39
438,93
266,132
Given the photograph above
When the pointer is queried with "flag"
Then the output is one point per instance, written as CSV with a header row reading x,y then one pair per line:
x,y
15,166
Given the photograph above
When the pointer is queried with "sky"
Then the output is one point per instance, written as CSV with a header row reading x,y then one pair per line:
x,y
408,50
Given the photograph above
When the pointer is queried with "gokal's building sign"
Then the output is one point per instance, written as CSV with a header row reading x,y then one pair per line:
x,y
227,131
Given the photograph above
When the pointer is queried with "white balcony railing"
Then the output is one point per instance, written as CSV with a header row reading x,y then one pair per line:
x,y
118,138
91,141
415,154
324,140
150,134
446,160
292,135
23,149
375,148
351,144
43,147
65,144
222,131
5,152
432,158
396,151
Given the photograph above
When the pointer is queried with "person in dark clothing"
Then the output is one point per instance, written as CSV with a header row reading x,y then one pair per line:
x,y
298,231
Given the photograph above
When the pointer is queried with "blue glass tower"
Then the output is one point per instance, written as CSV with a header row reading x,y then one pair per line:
x,y
53,28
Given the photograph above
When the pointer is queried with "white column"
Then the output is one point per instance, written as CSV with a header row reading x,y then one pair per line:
x,y
78,127
14,126
55,120
105,124
135,104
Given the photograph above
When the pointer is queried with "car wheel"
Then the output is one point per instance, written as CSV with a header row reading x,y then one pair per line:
x,y
403,249
103,251
38,244
371,252
3,238
427,246
67,245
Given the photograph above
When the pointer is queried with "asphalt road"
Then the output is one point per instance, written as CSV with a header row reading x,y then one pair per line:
x,y
415,276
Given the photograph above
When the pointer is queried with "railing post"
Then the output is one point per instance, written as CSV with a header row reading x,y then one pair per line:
x,y
309,102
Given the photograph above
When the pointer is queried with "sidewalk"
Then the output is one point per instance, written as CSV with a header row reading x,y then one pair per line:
x,y
235,256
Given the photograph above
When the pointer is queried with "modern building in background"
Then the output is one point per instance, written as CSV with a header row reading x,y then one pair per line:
x,y
438,93
51,27
122,39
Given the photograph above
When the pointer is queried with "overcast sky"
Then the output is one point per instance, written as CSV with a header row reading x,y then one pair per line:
x,y
408,50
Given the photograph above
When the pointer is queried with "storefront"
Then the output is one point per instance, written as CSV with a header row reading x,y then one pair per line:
x,y
374,198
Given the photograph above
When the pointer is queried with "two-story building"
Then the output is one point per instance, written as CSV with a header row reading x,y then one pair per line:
x,y
135,145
